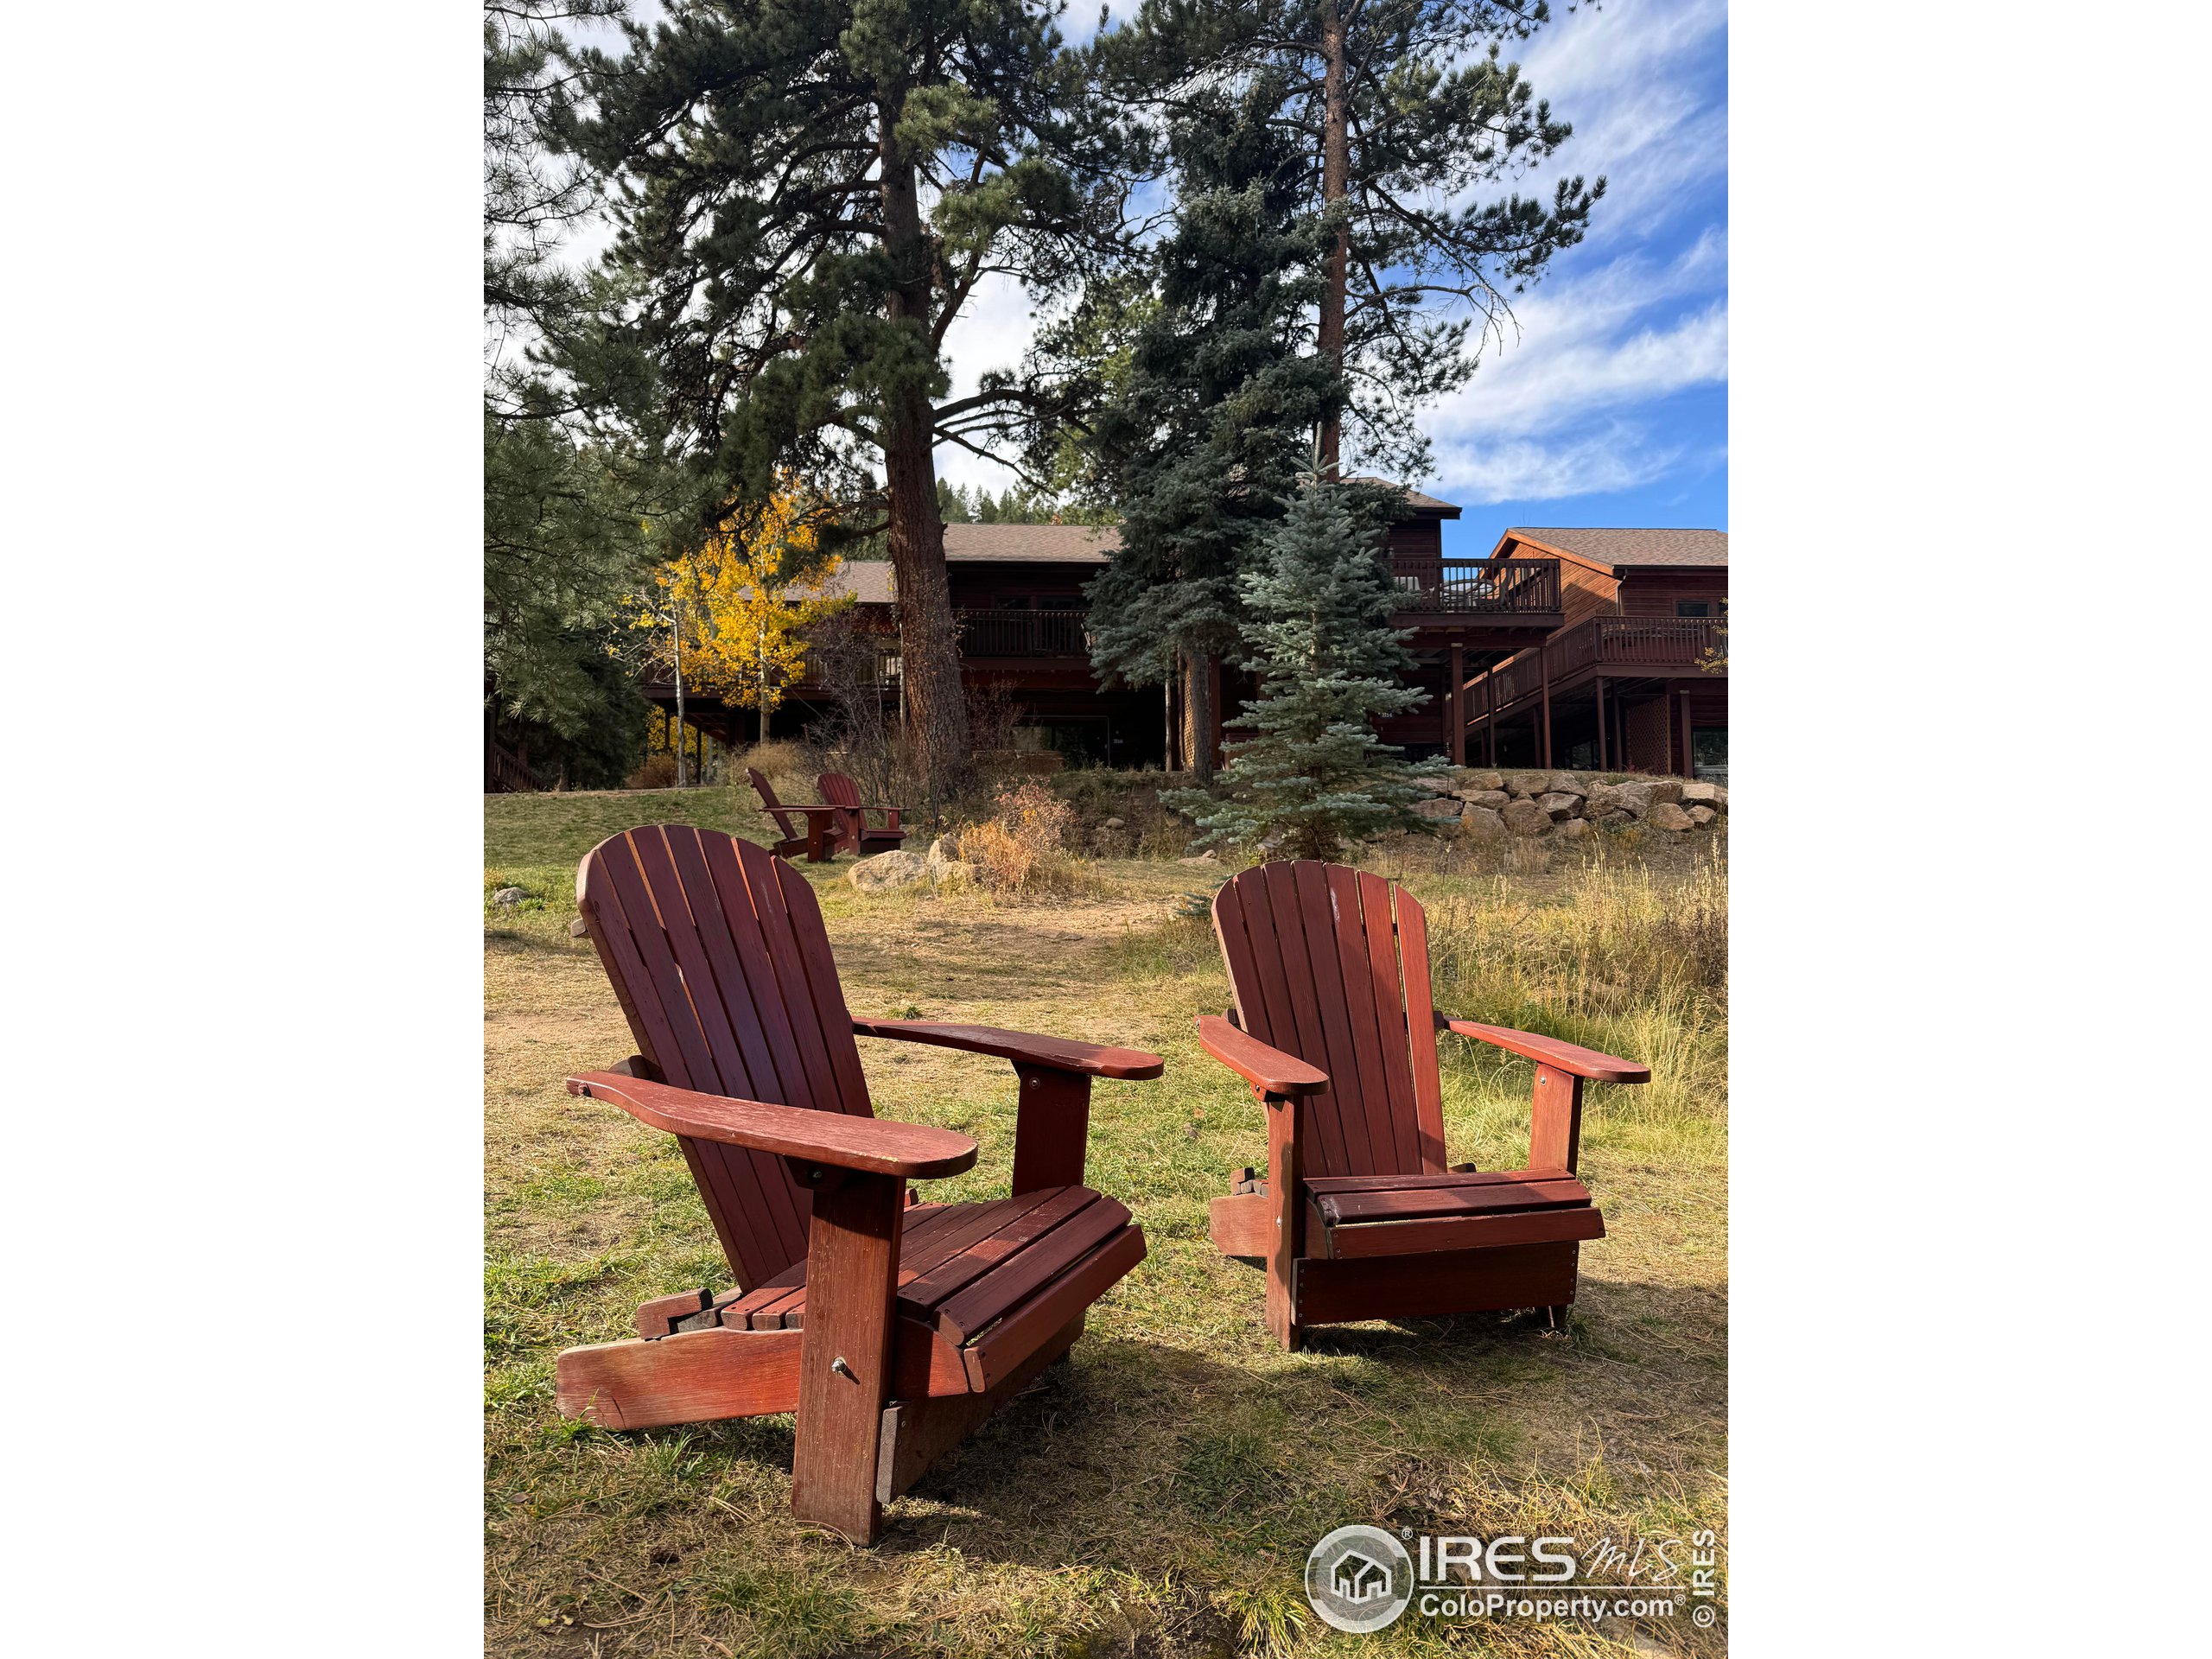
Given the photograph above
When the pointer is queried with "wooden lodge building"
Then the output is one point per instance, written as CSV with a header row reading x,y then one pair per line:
x,y
1568,647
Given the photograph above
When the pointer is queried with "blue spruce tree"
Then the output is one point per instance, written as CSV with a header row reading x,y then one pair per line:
x,y
1316,775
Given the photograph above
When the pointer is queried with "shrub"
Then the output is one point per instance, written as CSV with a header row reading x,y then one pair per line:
x,y
1019,846
657,772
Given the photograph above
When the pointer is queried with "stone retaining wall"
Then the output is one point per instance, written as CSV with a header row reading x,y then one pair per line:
x,y
1569,804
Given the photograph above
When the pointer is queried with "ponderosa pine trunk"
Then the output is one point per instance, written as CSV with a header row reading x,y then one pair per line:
x,y
936,711
1336,185
1197,714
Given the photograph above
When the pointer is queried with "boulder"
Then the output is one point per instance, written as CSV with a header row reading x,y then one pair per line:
x,y
1665,815
1701,814
1528,784
899,869
1574,829
1438,783
1667,791
1703,795
943,851
1558,804
1525,818
1635,799
1196,859
1492,799
580,929
1437,806
1483,820
510,896
1567,783
953,876
1479,780
1111,824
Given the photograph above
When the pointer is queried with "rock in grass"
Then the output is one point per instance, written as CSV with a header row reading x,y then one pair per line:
x,y
1666,790
509,896
1199,858
1480,780
1111,824
1558,804
1437,806
580,929
1574,829
1525,818
898,868
1665,815
1701,815
1703,795
1492,799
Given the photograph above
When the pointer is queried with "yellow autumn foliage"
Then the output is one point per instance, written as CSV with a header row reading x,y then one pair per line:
x,y
732,615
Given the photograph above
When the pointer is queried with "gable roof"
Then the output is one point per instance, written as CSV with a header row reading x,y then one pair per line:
x,y
1610,550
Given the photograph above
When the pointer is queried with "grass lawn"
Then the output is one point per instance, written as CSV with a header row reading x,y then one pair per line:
x,y
1157,1492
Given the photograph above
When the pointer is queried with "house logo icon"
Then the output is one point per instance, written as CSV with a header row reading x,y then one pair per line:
x,y
1356,1579
1359,1579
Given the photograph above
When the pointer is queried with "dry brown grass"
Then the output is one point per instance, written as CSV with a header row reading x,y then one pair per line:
x,y
1157,1493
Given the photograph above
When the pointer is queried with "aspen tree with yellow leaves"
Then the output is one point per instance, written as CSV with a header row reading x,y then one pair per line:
x,y
728,619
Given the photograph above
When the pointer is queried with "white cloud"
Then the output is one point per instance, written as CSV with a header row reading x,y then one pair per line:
x,y
1620,458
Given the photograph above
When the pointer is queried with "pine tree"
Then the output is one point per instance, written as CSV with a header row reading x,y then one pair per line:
x,y
1316,775
1204,398
810,191
1401,112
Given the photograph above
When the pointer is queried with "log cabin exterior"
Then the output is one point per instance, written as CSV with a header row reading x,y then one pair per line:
x,y
1478,625
1634,677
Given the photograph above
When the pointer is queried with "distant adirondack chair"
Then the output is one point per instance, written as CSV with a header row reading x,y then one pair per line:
x,y
891,1327
810,830
1358,1217
853,829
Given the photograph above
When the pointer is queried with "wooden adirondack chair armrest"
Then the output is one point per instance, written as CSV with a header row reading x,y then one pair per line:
x,y
1549,1050
1268,1070
868,1146
1022,1047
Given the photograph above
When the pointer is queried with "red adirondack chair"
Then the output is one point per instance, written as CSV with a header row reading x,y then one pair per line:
x,y
1334,1028
810,830
892,1328
853,829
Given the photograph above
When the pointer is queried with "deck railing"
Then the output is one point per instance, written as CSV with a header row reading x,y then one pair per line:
x,y
1477,587
506,772
1022,633
1625,645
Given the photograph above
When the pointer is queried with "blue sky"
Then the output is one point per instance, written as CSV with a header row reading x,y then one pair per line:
x,y
1609,406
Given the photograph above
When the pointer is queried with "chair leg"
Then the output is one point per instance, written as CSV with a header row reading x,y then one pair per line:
x,y
1285,1201
1556,1315
852,1271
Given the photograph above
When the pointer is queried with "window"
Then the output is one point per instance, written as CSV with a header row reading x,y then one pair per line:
x,y
1709,753
1693,607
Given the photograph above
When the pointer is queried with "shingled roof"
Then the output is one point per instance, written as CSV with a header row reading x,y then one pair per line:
x,y
1059,543
1616,548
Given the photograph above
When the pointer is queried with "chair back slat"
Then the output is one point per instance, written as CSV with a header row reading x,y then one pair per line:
x,y
786,824
1330,964
838,789
717,954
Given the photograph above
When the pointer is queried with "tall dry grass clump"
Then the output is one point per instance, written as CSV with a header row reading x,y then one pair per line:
x,y
1619,957
1020,846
